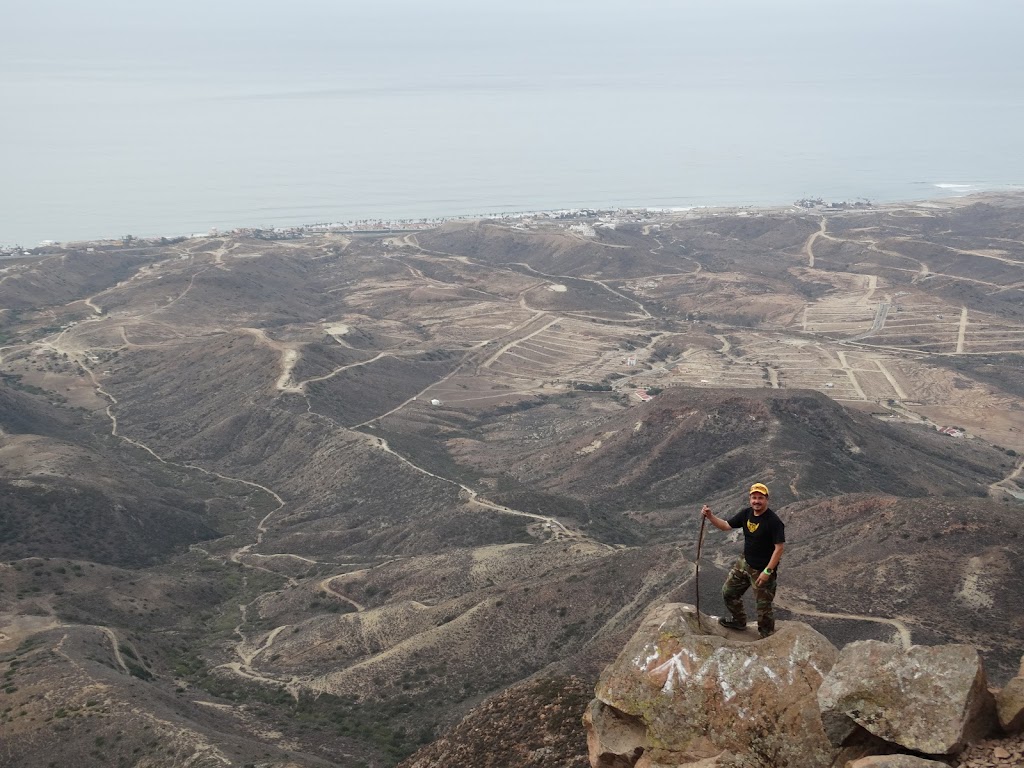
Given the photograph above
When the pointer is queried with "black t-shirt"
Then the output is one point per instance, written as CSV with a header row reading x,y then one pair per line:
x,y
760,535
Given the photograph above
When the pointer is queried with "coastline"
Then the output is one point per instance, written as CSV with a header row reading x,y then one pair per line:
x,y
958,194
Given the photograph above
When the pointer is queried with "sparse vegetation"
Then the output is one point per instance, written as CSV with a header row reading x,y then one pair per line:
x,y
356,490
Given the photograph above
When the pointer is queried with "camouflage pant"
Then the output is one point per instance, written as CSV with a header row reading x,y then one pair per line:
x,y
741,578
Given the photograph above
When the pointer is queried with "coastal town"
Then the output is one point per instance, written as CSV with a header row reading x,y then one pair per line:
x,y
585,219
369,226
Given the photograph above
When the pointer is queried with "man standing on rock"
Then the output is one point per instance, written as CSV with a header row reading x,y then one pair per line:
x,y
764,538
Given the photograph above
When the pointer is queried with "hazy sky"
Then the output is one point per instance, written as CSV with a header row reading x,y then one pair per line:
x,y
414,39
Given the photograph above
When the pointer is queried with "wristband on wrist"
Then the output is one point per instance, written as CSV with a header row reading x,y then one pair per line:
x,y
768,571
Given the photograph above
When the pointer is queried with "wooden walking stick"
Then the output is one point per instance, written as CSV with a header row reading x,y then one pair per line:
x,y
696,572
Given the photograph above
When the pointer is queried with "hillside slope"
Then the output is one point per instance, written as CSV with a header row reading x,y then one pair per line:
x,y
688,446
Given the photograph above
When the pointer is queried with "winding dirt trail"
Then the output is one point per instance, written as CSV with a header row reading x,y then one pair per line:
x,y
291,556
870,285
901,629
249,649
21,629
238,556
410,240
325,586
979,254
292,685
261,526
247,653
250,656
473,496
643,310
921,272
113,417
289,357
116,646
301,386
1003,486
809,245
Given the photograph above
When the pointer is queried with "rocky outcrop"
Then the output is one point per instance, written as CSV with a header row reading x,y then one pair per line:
x,y
682,694
927,699
1010,703
688,694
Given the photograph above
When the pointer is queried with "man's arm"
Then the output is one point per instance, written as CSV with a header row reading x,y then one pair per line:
x,y
718,522
772,564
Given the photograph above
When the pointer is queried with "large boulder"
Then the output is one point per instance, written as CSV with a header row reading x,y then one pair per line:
x,y
1010,703
926,699
680,694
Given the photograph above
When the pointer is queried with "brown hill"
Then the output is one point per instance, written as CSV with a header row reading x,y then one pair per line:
x,y
58,277
688,446
764,243
68,492
948,568
108,709
331,571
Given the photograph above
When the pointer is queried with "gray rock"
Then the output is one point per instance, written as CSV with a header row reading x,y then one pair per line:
x,y
705,699
931,700
1010,706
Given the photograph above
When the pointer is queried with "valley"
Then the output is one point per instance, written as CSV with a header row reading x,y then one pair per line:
x,y
311,502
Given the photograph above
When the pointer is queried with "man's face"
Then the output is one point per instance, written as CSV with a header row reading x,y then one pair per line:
x,y
758,502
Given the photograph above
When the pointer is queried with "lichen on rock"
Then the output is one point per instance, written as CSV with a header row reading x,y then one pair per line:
x,y
704,696
928,699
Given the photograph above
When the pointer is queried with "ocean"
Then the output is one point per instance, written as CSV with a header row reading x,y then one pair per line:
x,y
120,119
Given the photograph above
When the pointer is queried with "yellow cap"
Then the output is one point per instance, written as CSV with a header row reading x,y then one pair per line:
x,y
759,488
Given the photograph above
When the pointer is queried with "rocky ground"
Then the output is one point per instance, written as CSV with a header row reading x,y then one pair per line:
x,y
994,753
533,724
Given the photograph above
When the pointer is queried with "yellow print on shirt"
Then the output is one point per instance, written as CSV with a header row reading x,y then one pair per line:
x,y
752,526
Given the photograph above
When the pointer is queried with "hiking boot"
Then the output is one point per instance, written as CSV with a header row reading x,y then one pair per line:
x,y
732,623
765,633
